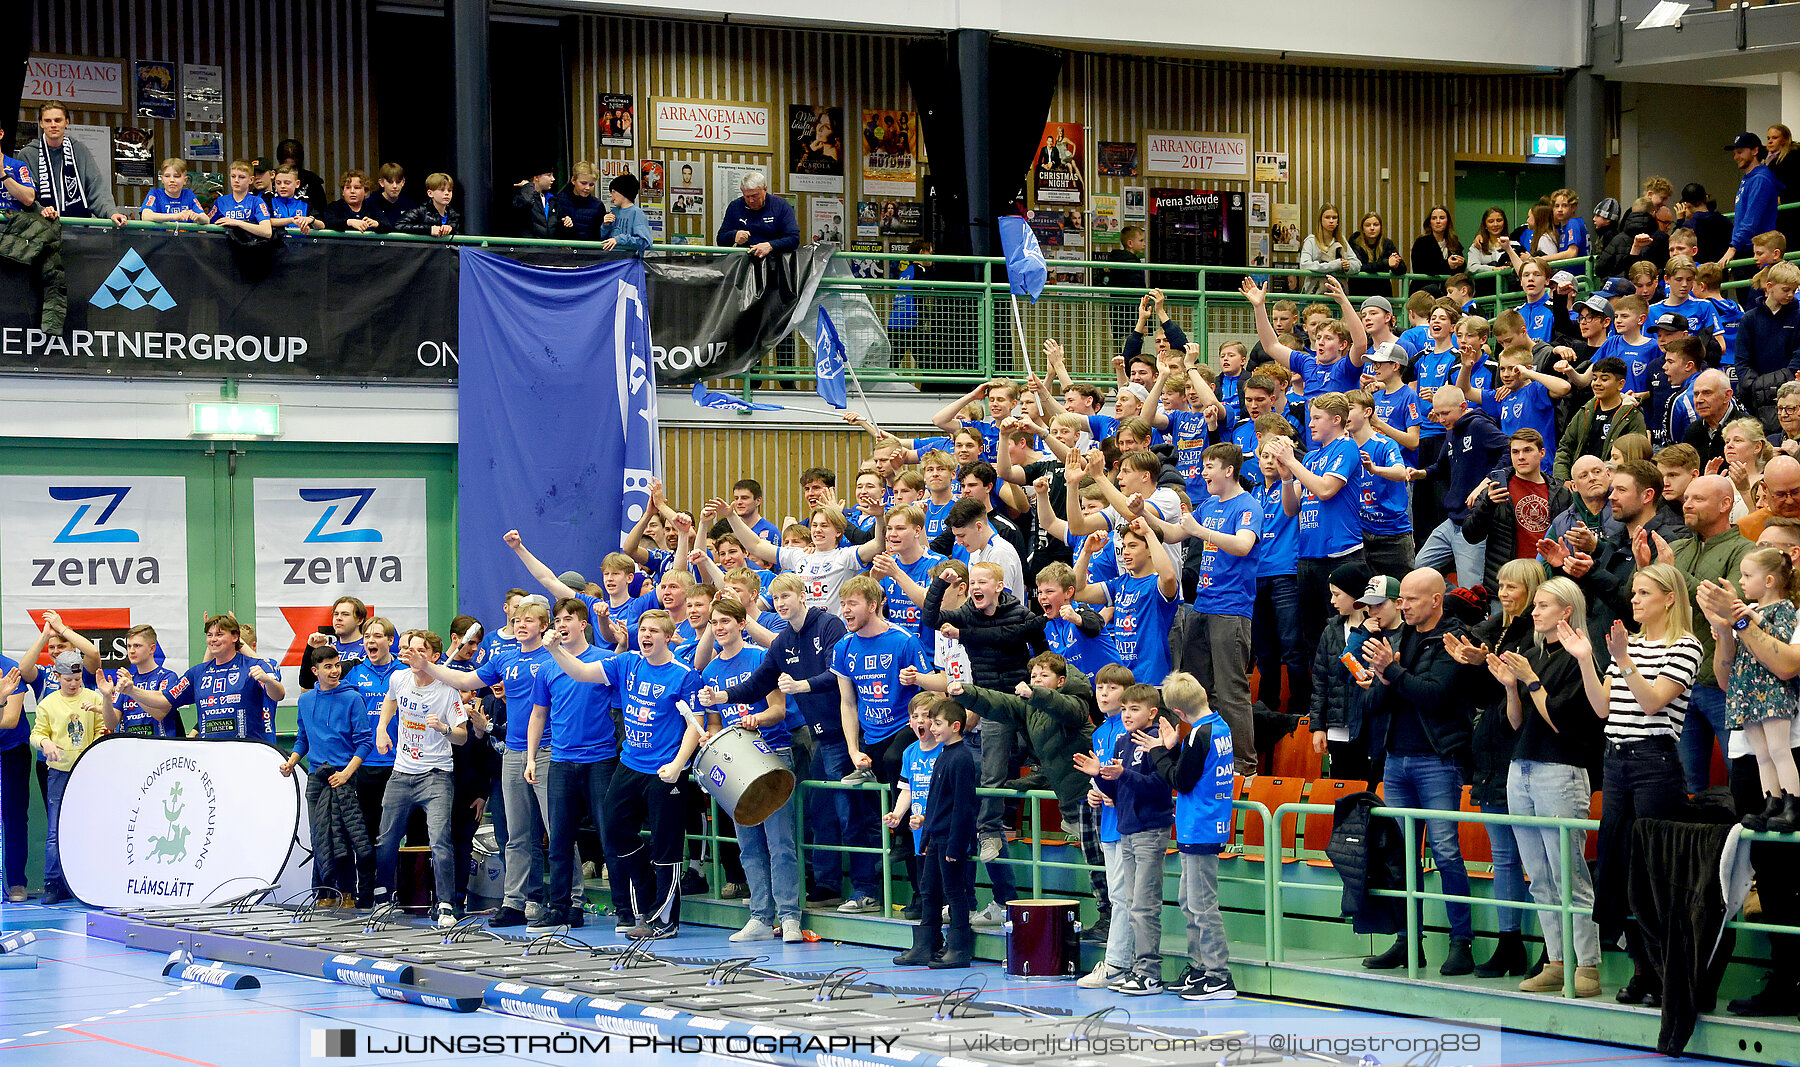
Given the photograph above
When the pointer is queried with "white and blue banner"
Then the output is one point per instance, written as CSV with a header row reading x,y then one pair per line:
x,y
557,432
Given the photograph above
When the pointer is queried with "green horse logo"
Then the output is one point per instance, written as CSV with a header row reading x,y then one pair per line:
x,y
173,847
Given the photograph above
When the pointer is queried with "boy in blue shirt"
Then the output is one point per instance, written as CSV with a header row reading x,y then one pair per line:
x,y
334,738
134,719
241,209
1539,316
1680,274
1629,344
226,688
1395,414
174,202
1199,770
1383,502
1002,396
625,225
1527,401
1334,366
1076,633
1143,597
1275,625
1323,491
1099,828
286,209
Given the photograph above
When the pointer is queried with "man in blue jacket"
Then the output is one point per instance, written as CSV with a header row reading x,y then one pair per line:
x,y
1758,193
762,222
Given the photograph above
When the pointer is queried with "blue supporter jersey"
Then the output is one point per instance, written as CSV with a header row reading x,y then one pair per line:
x,y
518,670
1432,370
578,725
1100,427
1573,234
1539,318
1332,527
1243,435
1188,428
228,703
1086,654
1399,408
1227,582
493,644
1728,315
1415,340
1142,616
1338,376
1681,412
725,673
371,683
20,732
1700,314
134,721
18,171
1279,550
1481,376
1203,814
1102,565
1531,407
990,437
248,208
162,203
900,609
1382,503
873,665
288,207
915,773
649,693
1105,740
1638,359
935,516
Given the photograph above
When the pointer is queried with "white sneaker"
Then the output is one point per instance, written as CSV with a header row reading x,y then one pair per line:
x,y
790,931
992,915
860,906
754,930
991,847
446,916
533,911
1100,977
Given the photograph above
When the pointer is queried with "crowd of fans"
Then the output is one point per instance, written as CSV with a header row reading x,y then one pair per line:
x,y
1524,554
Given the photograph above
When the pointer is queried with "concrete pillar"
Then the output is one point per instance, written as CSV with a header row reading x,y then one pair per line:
x,y
473,103
1584,127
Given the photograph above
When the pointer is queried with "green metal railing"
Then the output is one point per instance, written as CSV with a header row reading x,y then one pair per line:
x,y
963,329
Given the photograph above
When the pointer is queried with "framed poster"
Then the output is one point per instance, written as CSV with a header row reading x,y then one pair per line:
x,y
733,125
651,173
902,218
687,187
827,219
202,93
1271,166
890,146
155,82
1118,159
1133,201
1056,174
1178,154
617,117
205,146
815,148
133,156
1284,229
81,82
1259,211
1196,226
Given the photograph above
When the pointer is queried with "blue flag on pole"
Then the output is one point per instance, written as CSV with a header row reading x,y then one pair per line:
x,y
1025,270
712,398
828,356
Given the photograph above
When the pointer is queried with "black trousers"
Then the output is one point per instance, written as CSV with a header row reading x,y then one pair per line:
x,y
652,871
887,756
944,880
1315,604
1641,780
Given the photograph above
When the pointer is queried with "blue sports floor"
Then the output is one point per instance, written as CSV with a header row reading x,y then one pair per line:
x,y
92,1002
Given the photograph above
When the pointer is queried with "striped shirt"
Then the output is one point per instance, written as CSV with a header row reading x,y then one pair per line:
x,y
1626,719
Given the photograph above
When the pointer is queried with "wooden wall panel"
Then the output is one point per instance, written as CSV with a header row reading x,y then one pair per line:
x,y
702,462
299,68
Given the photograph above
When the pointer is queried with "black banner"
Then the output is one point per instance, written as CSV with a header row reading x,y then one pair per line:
x,y
206,305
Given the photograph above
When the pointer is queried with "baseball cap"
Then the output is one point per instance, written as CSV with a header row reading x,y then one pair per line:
x,y
1380,588
539,599
1386,352
1609,209
1599,305
573,580
1617,287
66,663
1137,390
1562,277
1671,321
1744,140
259,164
1380,302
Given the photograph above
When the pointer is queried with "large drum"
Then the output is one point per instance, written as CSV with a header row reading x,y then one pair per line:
x,y
1043,938
739,771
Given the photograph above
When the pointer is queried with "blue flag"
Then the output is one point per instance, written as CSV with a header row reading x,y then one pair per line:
x,y
828,354
1025,270
711,398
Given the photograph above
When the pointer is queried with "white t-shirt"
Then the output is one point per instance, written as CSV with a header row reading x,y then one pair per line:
x,y
1167,505
423,749
823,572
1000,550
953,659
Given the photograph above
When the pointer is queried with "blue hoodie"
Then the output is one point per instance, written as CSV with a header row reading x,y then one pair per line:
x,y
1758,194
334,726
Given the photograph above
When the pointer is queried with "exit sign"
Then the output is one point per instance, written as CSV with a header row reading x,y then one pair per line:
x,y
226,420
1548,145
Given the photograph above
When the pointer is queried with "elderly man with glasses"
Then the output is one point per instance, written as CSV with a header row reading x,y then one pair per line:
x,y
1781,494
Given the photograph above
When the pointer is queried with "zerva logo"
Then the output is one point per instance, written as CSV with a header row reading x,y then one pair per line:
x,y
344,505
95,530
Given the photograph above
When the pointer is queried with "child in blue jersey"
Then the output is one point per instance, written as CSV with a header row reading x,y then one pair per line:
x,y
1324,491
287,210
240,208
1571,228
1143,598
878,667
1396,403
1100,828
1383,503
1727,313
334,738
939,471
911,799
1539,316
904,568
135,720
1629,343
659,693
1335,365
174,202
1198,768
867,494
1682,364
1435,366
1185,426
227,689
1075,632
1002,396
1275,626
767,850
1680,274
1527,401
1416,338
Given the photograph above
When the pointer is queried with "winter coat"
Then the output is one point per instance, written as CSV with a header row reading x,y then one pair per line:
x,y
999,645
1369,854
1568,450
1494,737
1055,722
1337,701
34,242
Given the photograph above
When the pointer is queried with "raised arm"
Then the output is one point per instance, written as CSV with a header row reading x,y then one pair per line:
x,y
1359,337
1168,579
753,544
949,417
1265,330
543,575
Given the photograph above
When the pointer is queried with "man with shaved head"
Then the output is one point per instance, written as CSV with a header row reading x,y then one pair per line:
x,y
1424,694
1781,496
1473,446
1715,407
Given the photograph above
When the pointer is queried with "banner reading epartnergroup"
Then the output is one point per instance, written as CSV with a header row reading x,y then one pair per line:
x,y
204,305
106,554
318,539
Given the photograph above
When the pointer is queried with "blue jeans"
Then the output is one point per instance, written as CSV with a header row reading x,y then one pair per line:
x,y
1705,723
53,795
1446,544
771,862
1275,640
1509,874
434,792
1435,782
841,817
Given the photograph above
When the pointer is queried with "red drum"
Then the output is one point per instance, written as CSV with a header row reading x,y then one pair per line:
x,y
1043,938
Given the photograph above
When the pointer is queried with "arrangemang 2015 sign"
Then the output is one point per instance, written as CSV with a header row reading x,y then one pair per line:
x,y
148,303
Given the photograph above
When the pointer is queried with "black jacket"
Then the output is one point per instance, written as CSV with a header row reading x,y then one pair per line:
x,y
1428,258
803,653
949,826
1425,681
337,215
584,212
389,213
999,645
1493,739
1618,257
1768,352
422,219
1498,524
1337,701
536,213
1369,853
1374,277
1710,442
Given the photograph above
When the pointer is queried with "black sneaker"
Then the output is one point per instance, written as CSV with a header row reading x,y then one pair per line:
x,y
1189,982
911,912
577,917
1137,985
1642,989
550,919
1213,987
693,883
1777,997
1034,780
823,898
1097,933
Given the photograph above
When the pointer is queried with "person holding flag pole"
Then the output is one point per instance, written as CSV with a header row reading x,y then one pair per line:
x,y
1026,271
